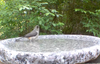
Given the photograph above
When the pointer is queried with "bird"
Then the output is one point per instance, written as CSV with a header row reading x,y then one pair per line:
x,y
33,34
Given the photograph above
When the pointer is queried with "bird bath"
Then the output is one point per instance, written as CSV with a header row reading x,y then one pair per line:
x,y
50,49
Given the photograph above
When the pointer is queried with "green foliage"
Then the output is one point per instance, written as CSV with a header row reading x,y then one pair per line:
x,y
91,21
18,17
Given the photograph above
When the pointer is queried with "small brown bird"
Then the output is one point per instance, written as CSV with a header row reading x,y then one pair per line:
x,y
33,34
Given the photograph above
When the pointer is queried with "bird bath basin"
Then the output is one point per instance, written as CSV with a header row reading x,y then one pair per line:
x,y
50,49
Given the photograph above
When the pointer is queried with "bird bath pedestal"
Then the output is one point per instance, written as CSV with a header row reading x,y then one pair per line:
x,y
50,49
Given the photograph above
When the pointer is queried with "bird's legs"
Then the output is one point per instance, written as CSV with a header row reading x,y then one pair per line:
x,y
31,40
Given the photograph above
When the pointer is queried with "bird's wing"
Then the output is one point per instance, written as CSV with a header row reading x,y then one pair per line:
x,y
32,34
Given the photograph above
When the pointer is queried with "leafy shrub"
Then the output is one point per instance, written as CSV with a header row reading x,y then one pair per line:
x,y
91,20
18,17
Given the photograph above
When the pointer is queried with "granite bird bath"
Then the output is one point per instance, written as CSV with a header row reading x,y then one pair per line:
x,y
50,49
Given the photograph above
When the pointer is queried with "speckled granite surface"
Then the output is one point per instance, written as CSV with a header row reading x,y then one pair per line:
x,y
8,56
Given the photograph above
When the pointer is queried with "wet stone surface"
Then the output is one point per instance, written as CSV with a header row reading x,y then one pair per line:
x,y
50,45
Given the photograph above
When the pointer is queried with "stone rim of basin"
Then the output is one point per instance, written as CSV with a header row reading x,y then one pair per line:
x,y
63,57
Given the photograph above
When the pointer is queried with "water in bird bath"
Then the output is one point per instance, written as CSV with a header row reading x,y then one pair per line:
x,y
50,45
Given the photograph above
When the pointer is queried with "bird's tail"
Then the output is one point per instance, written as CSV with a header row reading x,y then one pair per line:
x,y
19,38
